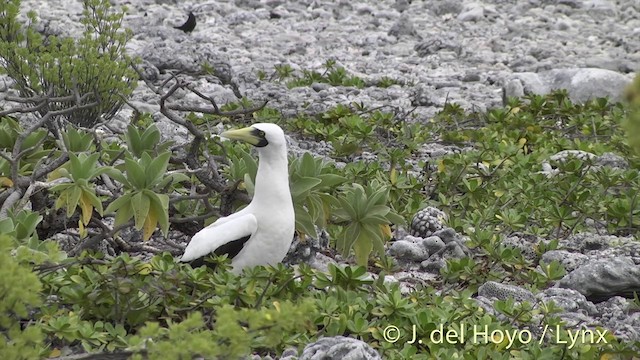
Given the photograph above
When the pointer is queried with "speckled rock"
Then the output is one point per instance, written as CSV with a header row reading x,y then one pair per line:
x,y
568,299
339,347
601,279
289,354
525,243
427,221
569,260
492,289
612,160
622,318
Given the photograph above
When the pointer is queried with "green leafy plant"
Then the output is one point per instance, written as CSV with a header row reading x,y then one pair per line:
x,y
23,154
21,225
81,170
312,185
142,199
347,278
333,75
75,140
367,218
140,141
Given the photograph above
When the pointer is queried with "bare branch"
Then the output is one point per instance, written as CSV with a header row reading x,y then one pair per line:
x,y
216,111
96,239
14,196
177,220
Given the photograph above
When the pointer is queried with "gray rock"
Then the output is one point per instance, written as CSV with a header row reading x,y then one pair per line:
x,y
403,27
619,316
289,354
339,347
304,251
569,260
448,235
525,243
433,266
612,160
406,250
582,84
432,244
492,289
471,12
402,5
601,279
588,243
568,299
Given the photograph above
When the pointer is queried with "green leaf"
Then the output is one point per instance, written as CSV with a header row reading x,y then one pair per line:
x,y
349,236
135,174
302,185
160,203
97,204
395,218
304,222
362,249
307,165
150,138
134,141
331,180
33,139
140,205
117,175
157,168
89,164
118,203
124,213
377,210
72,200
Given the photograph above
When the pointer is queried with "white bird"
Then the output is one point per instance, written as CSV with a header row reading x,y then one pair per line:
x,y
262,232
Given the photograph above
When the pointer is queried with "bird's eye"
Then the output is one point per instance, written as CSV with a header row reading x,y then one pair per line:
x,y
261,133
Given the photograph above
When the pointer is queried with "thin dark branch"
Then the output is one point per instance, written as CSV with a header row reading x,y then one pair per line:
x,y
177,220
96,239
216,111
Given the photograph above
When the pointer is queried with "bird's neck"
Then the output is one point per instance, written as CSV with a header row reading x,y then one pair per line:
x,y
272,178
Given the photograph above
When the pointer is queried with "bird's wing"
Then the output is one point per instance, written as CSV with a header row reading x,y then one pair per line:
x,y
211,238
230,217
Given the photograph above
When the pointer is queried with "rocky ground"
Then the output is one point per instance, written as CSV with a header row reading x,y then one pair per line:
x,y
472,53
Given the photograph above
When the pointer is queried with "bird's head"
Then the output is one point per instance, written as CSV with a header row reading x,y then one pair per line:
x,y
259,135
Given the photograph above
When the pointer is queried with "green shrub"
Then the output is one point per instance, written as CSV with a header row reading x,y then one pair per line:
x,y
93,68
20,293
632,123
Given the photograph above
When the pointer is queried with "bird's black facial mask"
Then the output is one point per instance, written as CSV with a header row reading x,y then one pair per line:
x,y
260,136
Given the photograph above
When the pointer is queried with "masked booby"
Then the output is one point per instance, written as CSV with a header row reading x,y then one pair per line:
x,y
262,232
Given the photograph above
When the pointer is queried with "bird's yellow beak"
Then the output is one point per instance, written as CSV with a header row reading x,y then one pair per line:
x,y
249,135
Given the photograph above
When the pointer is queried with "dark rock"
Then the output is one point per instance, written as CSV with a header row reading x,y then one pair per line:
x,y
604,278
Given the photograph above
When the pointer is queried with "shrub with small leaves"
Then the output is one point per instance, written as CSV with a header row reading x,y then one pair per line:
x,y
632,123
91,73
19,295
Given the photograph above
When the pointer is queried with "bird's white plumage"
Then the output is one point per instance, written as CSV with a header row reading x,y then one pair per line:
x,y
219,233
269,219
